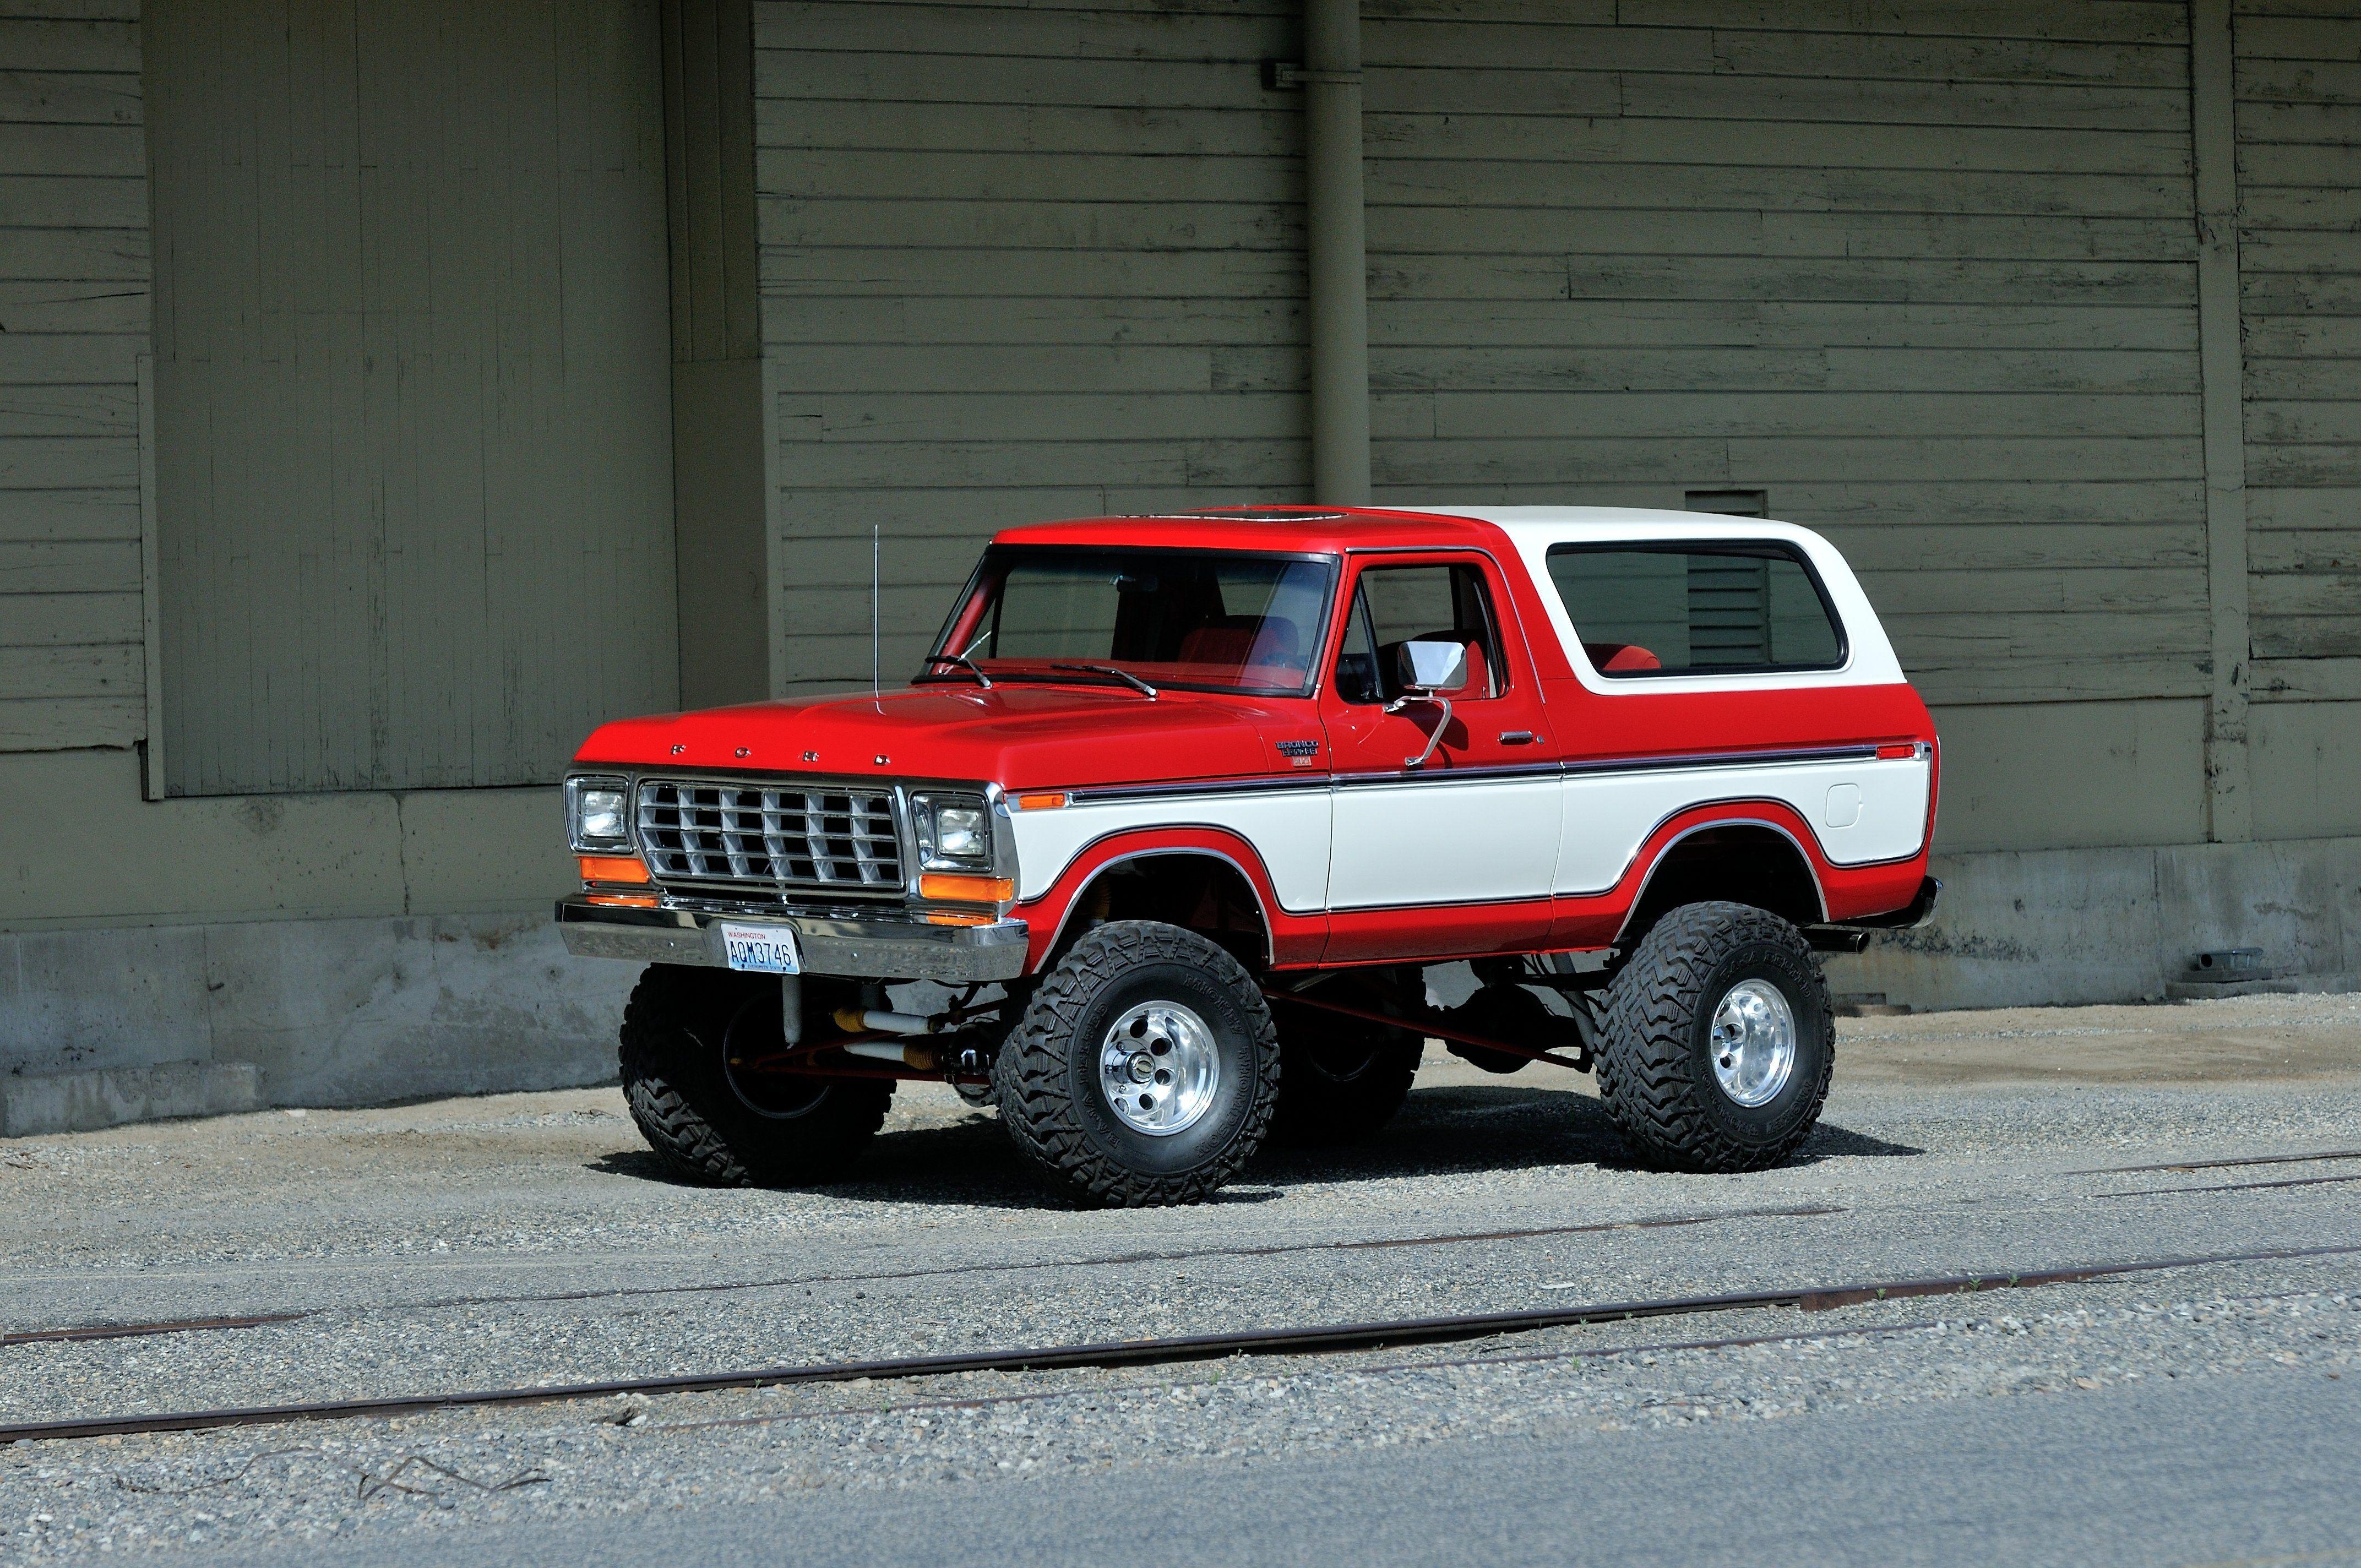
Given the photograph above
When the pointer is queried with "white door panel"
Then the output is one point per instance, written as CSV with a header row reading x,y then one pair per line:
x,y
1287,828
1609,816
1448,841
1443,842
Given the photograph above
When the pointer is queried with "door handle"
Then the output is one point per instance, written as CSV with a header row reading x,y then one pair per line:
x,y
1516,737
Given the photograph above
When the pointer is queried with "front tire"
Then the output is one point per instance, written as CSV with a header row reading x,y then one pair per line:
x,y
688,1034
1144,1070
1718,1041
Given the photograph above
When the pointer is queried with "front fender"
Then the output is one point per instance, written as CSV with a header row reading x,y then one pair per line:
x,y
1289,938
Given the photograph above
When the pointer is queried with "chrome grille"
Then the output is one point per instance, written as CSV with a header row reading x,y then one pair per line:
x,y
698,830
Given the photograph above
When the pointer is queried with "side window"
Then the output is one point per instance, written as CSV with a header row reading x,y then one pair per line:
x,y
1393,604
1695,608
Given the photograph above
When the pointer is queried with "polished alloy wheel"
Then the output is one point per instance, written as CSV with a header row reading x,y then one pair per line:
x,y
1159,1067
1754,1042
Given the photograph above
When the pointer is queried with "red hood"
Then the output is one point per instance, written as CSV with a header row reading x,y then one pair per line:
x,y
1018,736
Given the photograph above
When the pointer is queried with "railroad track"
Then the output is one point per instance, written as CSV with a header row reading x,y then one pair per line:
x,y
1116,1260
2218,1164
1271,1249
1318,1340
106,1331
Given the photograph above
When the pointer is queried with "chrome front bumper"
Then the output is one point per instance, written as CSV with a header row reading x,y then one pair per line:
x,y
867,947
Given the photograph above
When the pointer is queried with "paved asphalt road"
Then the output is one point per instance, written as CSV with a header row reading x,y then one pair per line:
x,y
2195,1414
2160,1474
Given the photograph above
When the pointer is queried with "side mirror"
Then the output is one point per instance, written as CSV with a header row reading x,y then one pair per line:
x,y
1431,666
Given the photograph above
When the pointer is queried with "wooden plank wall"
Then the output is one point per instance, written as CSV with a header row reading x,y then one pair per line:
x,y
2298,77
73,321
2299,118
1922,272
414,387
1019,261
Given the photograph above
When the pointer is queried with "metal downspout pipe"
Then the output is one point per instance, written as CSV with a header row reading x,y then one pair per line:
x,y
1338,245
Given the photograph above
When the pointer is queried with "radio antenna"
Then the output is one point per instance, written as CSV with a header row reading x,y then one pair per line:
x,y
876,553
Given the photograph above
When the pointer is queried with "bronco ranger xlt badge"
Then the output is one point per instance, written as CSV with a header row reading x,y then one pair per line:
x,y
1181,808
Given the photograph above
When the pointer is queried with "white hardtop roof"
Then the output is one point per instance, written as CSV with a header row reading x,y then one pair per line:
x,y
1532,530
1566,525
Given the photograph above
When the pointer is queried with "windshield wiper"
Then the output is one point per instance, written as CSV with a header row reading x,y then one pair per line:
x,y
964,663
1125,676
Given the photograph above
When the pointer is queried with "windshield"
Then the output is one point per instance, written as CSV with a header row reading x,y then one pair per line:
x,y
1193,619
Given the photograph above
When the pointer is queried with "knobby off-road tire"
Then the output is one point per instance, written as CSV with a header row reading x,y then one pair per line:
x,y
1342,1077
1049,1074
724,1129
1657,1056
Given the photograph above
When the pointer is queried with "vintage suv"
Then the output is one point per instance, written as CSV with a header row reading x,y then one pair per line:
x,y
1182,808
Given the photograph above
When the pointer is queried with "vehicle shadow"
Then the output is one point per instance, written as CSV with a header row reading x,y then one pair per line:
x,y
1443,1131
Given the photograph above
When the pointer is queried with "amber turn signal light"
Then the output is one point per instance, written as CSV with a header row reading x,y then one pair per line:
x,y
1044,800
967,889
612,868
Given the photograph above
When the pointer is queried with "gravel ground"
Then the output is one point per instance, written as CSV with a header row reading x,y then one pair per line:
x,y
527,1239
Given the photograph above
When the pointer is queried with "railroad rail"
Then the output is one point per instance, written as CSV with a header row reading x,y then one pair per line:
x,y
1191,1255
2235,1186
1322,1338
2220,1164
106,1331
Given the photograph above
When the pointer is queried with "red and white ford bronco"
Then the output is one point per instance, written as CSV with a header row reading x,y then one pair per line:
x,y
1182,808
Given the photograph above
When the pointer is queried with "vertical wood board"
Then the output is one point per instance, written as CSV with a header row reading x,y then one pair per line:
x,y
413,392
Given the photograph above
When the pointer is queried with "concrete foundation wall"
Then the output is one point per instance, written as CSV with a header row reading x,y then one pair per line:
x,y
186,956
2117,924
318,1011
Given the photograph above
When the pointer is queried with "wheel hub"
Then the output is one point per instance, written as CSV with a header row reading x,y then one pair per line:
x,y
1754,1042
1159,1067
751,1038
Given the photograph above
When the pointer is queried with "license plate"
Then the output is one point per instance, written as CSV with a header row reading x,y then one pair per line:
x,y
765,950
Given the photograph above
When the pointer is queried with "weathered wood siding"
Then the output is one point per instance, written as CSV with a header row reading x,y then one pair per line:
x,y
1019,261
2298,115
1923,273
2298,77
412,386
73,321
2299,123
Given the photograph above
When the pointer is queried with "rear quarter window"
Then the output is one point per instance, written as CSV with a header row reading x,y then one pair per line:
x,y
1679,609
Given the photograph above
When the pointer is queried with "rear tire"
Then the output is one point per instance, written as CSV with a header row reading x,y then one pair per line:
x,y
1144,1070
1344,1078
1718,1041
721,1127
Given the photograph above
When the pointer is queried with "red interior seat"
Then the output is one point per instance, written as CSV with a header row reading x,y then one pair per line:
x,y
1618,656
1224,643
1274,646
